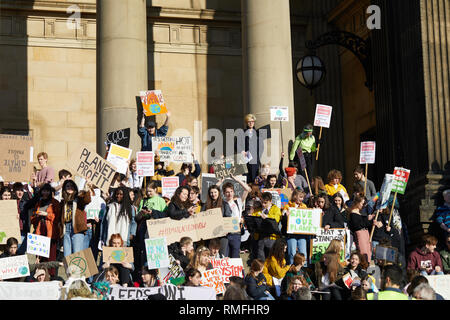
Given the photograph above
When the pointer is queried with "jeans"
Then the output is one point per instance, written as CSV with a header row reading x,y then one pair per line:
x,y
262,245
73,242
23,244
234,245
433,273
88,237
293,244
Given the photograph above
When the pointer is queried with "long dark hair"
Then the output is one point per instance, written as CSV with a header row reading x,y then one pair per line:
x,y
125,208
277,251
67,197
210,203
48,187
176,198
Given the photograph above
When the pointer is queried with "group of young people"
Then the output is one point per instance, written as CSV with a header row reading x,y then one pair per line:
x,y
279,263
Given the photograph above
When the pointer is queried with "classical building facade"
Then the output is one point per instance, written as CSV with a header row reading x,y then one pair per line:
x,y
68,81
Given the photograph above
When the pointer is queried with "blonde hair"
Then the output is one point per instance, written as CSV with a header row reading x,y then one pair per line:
x,y
249,117
79,288
195,261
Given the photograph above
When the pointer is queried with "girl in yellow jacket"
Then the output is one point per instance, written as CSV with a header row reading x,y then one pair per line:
x,y
334,184
275,267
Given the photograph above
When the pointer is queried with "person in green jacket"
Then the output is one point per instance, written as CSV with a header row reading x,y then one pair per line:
x,y
391,280
307,142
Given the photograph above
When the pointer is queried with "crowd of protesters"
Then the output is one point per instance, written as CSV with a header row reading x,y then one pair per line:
x,y
279,263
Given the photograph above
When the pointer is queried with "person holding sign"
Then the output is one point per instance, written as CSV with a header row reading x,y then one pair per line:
x,y
328,271
361,179
294,241
124,268
46,217
186,171
200,260
134,181
147,131
233,207
269,211
359,224
307,142
73,217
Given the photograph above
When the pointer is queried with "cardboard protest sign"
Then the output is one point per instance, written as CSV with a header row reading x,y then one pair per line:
x,y
118,255
401,176
81,263
279,113
301,158
367,152
440,284
153,102
38,245
120,137
304,221
280,197
14,267
173,273
91,166
169,291
9,222
213,279
320,243
47,290
173,149
169,185
231,225
119,156
234,165
157,253
322,117
209,179
229,267
16,157
389,254
145,163
94,208
385,191
203,225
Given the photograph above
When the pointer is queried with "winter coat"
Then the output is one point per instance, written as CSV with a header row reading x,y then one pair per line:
x,y
48,225
79,221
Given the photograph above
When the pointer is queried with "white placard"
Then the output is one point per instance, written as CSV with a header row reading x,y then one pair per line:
x,y
367,152
38,245
14,267
169,185
279,113
119,156
47,290
169,291
145,164
323,116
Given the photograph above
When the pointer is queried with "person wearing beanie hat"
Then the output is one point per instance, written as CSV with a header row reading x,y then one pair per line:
x,y
307,142
149,130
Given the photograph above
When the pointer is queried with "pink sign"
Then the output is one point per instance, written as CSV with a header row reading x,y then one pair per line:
x,y
367,153
145,164
323,116
169,185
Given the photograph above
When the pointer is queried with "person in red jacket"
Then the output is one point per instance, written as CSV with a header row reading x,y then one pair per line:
x,y
425,259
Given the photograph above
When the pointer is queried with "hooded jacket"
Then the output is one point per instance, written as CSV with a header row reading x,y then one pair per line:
x,y
419,259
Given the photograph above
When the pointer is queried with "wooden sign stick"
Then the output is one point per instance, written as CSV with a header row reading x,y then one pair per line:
x,y
373,227
365,180
318,147
392,208
307,179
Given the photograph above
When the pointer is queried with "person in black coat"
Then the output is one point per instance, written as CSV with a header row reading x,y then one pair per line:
x,y
256,282
180,207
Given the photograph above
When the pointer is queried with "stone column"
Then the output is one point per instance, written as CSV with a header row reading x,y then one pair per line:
x,y
121,67
267,65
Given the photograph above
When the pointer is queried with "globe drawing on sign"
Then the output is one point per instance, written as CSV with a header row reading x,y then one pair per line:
x,y
235,224
155,108
23,270
79,264
298,221
279,113
118,255
284,199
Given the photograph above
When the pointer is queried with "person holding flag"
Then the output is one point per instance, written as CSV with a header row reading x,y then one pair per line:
x,y
307,142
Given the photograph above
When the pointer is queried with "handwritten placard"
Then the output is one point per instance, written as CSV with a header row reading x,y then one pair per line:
x,y
118,254
304,221
230,267
213,279
14,267
157,253
38,245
